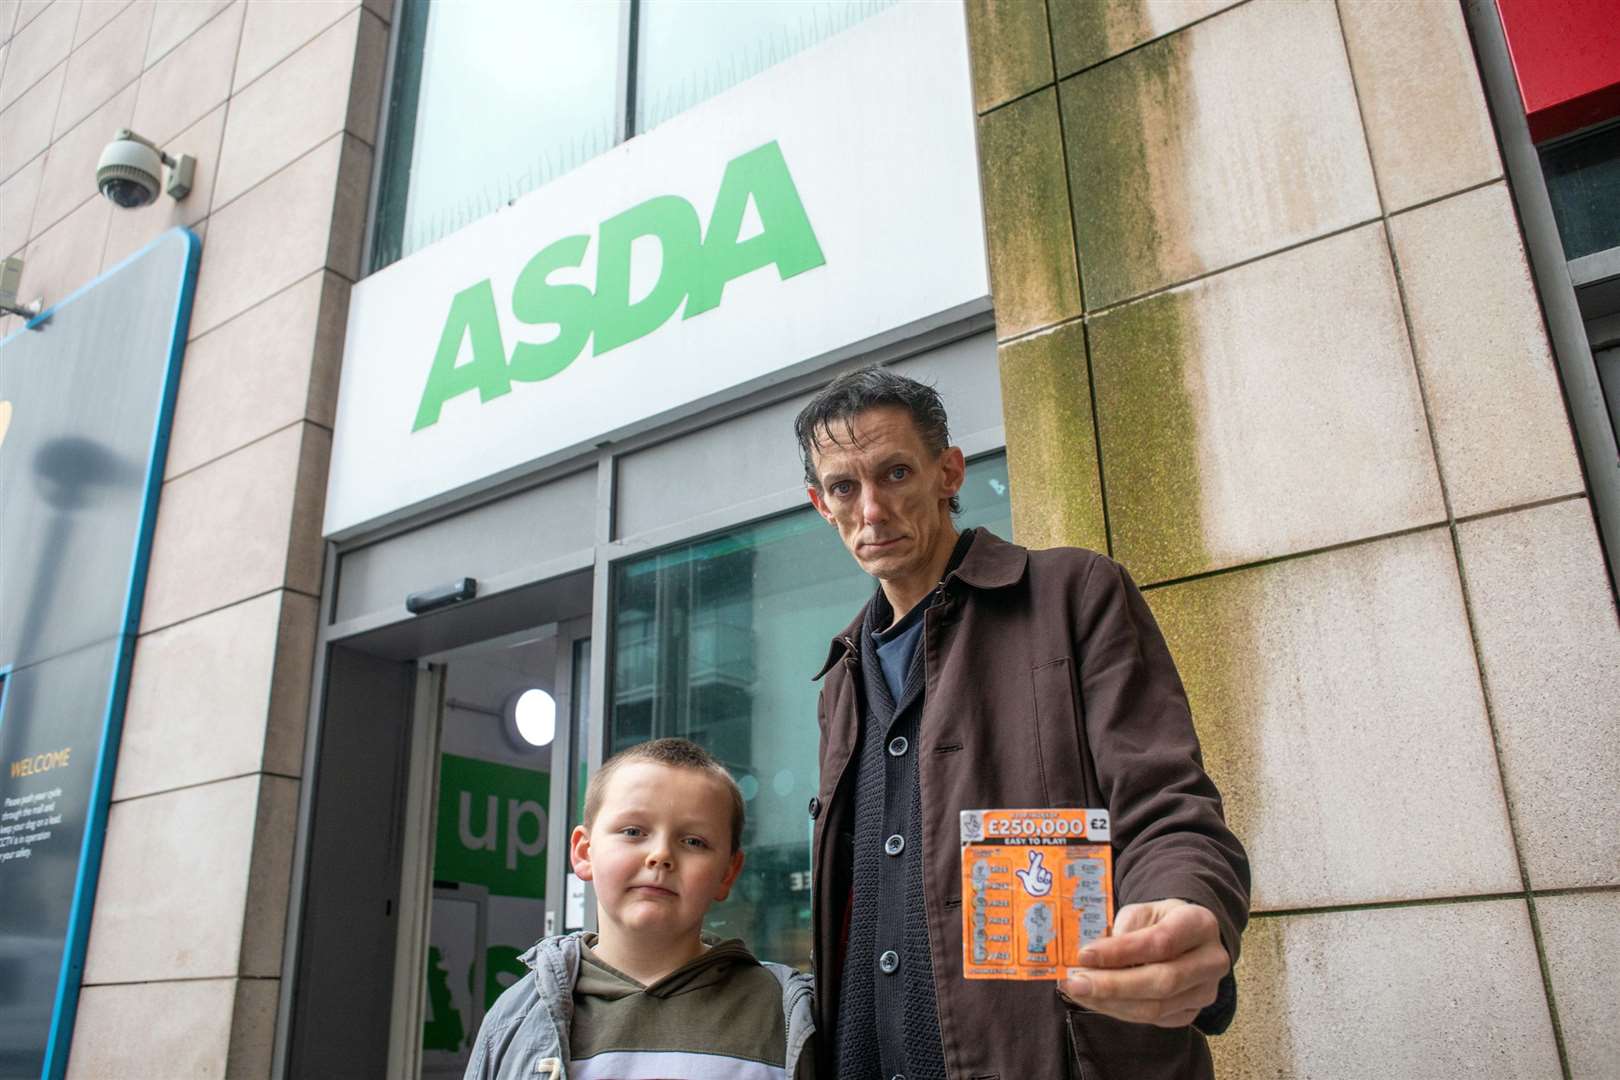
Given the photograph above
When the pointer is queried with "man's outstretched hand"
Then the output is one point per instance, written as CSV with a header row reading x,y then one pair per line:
x,y
1162,965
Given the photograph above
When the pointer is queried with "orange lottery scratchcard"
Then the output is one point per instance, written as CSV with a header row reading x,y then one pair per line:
x,y
1036,886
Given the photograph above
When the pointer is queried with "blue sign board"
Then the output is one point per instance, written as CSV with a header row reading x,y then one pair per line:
x,y
86,393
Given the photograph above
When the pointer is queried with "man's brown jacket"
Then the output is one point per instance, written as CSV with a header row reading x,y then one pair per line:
x,y
1048,685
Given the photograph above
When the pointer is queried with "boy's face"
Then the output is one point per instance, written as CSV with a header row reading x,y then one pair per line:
x,y
659,851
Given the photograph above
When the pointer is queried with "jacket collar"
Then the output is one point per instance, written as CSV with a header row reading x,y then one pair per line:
x,y
990,563
843,643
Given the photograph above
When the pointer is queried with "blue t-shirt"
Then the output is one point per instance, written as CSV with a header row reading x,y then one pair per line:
x,y
898,644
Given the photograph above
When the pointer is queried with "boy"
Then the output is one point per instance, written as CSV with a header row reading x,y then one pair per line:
x,y
647,996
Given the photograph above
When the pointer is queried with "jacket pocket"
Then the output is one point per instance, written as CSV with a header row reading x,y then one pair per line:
x,y
1065,779
1102,1048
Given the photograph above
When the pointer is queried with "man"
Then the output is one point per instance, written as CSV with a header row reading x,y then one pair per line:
x,y
979,676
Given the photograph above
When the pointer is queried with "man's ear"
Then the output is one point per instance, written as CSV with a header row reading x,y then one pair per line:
x,y
953,469
579,852
818,502
731,876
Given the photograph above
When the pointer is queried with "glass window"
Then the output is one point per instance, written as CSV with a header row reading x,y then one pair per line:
x,y
1583,182
715,640
1608,366
490,100
690,50
580,707
984,496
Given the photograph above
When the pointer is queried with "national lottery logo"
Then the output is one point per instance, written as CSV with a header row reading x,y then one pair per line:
x,y
1037,879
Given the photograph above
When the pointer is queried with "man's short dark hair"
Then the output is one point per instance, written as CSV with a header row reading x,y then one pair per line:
x,y
870,387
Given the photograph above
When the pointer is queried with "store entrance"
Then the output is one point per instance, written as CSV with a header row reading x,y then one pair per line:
x,y
452,748
497,863
672,584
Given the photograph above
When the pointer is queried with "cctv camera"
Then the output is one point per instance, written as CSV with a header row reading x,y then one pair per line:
x,y
131,169
129,172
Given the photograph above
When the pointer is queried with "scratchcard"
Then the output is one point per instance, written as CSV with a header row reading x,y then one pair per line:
x,y
1036,886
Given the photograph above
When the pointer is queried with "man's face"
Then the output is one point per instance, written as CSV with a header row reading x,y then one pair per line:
x,y
659,851
887,494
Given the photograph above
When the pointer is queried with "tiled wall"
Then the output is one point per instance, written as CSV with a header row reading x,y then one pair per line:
x,y
278,101
1268,337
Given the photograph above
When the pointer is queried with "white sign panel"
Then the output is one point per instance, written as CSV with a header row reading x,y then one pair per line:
x,y
826,206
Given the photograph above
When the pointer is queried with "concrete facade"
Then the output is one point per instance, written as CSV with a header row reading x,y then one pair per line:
x,y
1274,345
1267,336
279,104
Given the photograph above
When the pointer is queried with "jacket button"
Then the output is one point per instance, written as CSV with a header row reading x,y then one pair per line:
x,y
815,807
895,844
898,746
889,962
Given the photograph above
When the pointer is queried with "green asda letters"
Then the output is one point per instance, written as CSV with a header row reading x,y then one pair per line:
x,y
696,267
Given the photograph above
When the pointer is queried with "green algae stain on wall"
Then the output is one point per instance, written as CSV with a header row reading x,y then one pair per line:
x,y
1087,32
1033,277
1011,53
1051,446
1120,122
1260,1042
1148,422
1215,630
1208,625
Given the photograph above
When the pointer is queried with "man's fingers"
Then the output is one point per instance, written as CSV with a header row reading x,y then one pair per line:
x,y
1171,932
1178,1011
1199,971
1162,965
1136,917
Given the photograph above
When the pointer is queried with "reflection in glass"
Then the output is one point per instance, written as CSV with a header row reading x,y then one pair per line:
x,y
579,707
716,641
79,474
1583,181
690,50
490,100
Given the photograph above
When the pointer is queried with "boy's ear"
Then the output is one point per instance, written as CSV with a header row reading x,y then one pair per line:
x,y
731,876
579,852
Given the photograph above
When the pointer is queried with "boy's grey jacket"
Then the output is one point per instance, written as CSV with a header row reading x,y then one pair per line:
x,y
522,1031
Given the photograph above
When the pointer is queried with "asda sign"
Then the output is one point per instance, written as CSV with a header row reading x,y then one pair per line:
x,y
695,266
823,210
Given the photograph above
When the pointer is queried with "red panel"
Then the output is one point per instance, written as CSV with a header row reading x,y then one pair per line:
x,y
1566,54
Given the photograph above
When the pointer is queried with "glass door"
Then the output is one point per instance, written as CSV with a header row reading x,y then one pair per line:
x,y
566,909
490,776
715,640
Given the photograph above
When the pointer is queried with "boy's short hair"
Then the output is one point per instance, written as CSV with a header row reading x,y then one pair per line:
x,y
677,754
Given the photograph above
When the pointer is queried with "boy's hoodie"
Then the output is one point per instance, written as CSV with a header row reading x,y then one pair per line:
x,y
721,1014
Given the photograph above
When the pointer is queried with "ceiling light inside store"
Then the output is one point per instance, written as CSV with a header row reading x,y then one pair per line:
x,y
532,714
